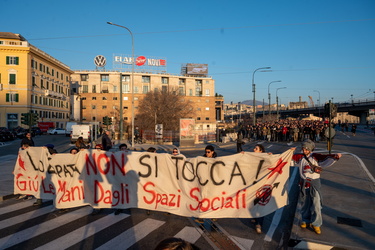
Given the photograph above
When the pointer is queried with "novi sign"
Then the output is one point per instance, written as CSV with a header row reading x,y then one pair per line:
x,y
141,61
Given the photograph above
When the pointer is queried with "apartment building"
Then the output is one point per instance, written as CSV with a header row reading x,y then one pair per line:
x,y
97,94
31,81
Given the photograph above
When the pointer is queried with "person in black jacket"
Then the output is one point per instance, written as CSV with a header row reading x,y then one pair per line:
x,y
28,140
106,141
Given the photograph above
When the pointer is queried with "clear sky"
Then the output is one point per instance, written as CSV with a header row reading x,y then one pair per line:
x,y
314,47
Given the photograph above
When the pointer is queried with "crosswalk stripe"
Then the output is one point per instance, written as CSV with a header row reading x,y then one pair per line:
x,y
86,231
26,216
44,227
132,235
17,206
190,234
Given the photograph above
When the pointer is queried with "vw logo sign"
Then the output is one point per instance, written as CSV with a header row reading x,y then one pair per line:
x,y
100,61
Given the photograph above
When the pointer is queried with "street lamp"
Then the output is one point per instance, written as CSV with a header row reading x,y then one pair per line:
x,y
318,101
269,97
132,87
254,92
277,103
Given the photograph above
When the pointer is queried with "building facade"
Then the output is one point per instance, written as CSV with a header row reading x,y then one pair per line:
x,y
97,94
31,81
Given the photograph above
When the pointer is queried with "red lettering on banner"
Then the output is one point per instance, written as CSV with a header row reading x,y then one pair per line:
x,y
71,194
27,185
218,202
50,189
104,163
168,200
113,197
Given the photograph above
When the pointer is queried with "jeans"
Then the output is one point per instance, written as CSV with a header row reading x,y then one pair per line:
x,y
311,209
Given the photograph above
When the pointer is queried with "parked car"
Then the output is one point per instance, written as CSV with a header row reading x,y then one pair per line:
x,y
36,131
56,131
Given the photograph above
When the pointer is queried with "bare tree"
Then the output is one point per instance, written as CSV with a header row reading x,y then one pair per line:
x,y
163,107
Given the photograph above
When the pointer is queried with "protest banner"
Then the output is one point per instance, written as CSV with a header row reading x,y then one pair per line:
x,y
244,185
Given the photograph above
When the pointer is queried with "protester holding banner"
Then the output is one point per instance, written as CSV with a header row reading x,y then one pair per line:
x,y
28,140
80,144
210,152
310,166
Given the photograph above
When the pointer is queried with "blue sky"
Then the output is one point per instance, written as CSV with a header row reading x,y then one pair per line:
x,y
313,47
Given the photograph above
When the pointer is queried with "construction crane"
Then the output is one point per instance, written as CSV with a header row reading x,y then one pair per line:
x,y
311,102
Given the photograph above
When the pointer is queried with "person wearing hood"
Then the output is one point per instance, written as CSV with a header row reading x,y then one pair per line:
x,y
310,167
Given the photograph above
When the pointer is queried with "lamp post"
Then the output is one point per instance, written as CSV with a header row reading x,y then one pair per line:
x,y
318,101
269,97
277,103
132,88
254,119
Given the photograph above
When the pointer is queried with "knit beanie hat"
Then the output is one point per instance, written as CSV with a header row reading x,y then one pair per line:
x,y
308,144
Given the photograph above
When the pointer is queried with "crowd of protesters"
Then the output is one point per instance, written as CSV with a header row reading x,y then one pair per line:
x,y
286,130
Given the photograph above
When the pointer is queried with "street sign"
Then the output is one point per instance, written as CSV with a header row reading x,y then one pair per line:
x,y
333,132
159,131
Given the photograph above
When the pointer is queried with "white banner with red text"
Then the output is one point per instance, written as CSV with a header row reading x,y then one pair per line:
x,y
244,185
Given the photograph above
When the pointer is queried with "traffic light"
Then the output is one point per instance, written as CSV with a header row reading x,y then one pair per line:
x,y
25,118
105,120
333,110
34,119
330,108
109,120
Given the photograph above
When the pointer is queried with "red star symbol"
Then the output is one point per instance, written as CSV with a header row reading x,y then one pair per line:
x,y
279,168
21,163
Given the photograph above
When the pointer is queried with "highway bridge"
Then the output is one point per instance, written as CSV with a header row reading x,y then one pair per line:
x,y
359,109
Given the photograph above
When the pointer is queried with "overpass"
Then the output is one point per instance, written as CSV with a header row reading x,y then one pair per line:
x,y
359,109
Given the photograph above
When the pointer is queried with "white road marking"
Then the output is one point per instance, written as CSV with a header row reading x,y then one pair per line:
x,y
84,232
41,228
132,235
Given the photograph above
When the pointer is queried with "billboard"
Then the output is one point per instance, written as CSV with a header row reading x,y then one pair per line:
x,y
141,63
187,136
196,69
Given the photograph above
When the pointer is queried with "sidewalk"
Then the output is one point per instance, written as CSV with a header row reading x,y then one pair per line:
x,y
348,210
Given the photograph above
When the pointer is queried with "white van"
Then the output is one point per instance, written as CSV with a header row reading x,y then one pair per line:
x,y
83,130
68,128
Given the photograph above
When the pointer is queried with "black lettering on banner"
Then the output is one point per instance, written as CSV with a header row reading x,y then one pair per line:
x,y
176,164
199,179
236,166
258,170
32,163
156,166
186,163
146,165
212,173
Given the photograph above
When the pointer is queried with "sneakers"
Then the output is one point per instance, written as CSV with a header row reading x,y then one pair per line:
x,y
316,229
303,224
21,196
200,221
38,202
258,229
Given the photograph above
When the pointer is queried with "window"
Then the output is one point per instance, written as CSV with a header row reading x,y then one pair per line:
x,y
146,79
207,92
93,88
41,84
104,78
190,92
125,78
104,107
104,98
135,89
114,88
181,81
93,98
93,106
12,60
164,80
11,97
164,89
125,88
145,89
114,98
84,77
181,91
207,118
198,118
12,78
85,88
